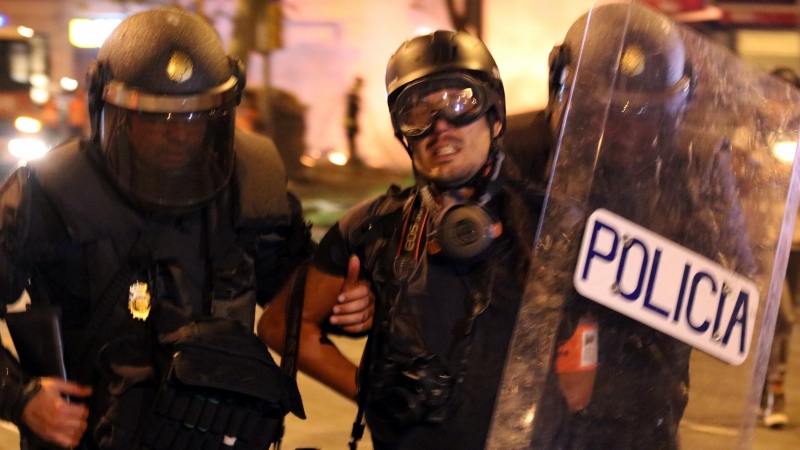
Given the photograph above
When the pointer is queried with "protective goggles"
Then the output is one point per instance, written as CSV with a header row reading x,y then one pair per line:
x,y
457,98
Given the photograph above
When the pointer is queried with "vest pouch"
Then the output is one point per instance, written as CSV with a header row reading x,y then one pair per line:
x,y
223,391
125,383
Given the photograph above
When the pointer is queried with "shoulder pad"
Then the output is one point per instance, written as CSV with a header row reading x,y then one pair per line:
x,y
261,177
85,199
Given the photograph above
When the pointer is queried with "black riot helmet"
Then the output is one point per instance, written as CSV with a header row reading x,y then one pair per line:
x,y
447,74
648,73
162,99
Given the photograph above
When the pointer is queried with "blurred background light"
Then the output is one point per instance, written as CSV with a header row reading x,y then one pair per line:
x,y
785,151
25,31
39,80
40,95
308,161
27,148
338,158
90,33
69,84
27,124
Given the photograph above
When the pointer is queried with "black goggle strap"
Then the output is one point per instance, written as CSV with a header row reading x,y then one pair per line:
x,y
384,316
495,180
402,138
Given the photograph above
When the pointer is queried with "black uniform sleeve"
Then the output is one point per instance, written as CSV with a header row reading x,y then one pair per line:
x,y
336,246
277,260
332,255
16,388
15,203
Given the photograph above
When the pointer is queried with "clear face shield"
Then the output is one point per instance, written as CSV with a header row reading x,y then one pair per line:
x,y
645,119
637,126
164,156
639,134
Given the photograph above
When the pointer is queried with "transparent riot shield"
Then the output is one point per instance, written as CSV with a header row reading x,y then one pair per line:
x,y
659,261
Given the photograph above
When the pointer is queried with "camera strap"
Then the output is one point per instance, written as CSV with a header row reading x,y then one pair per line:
x,y
291,343
394,291
294,317
369,356
478,301
409,249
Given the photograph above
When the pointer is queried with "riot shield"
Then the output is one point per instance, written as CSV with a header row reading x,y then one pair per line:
x,y
661,252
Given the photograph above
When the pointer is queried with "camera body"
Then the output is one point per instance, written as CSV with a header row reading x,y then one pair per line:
x,y
407,391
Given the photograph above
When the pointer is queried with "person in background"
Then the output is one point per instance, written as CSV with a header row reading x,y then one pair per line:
x,y
351,119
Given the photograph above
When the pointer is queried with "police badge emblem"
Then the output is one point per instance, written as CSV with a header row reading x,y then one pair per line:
x,y
180,67
139,301
632,62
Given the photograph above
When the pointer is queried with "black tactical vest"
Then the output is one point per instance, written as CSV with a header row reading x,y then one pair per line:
x,y
197,265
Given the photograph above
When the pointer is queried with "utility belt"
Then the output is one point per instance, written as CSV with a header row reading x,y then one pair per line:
x,y
222,391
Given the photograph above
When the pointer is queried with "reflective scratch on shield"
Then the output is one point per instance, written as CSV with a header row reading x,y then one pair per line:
x,y
710,429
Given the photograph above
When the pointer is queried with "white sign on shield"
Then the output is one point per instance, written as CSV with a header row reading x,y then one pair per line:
x,y
657,282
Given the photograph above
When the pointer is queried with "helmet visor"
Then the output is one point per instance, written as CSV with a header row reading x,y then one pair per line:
x,y
168,160
458,99
633,100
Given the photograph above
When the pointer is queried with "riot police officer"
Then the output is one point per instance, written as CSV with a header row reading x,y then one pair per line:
x,y
643,171
447,257
155,239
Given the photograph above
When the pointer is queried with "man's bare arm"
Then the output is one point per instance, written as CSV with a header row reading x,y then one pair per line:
x,y
325,294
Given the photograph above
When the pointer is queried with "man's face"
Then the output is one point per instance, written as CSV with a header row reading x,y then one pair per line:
x,y
450,155
633,138
166,144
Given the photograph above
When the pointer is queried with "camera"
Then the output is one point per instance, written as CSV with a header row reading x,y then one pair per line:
x,y
404,392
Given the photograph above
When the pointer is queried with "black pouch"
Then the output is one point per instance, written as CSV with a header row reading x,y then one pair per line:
x,y
37,337
223,390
